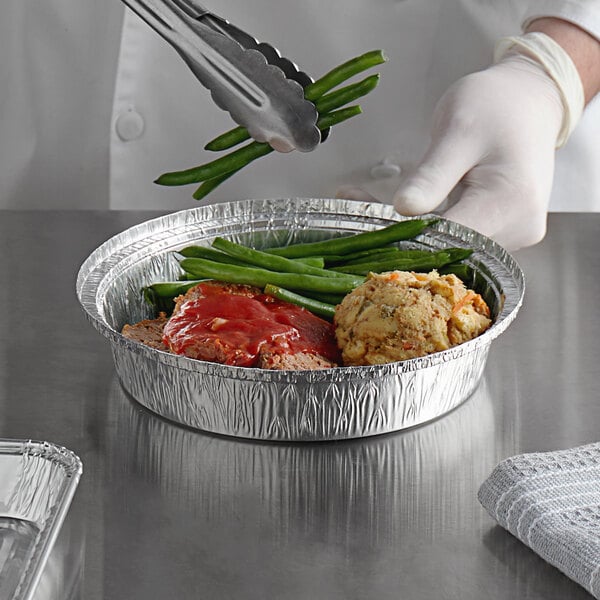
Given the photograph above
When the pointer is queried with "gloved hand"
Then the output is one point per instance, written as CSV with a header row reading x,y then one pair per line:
x,y
495,132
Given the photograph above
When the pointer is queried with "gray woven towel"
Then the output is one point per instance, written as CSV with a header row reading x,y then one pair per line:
x,y
551,502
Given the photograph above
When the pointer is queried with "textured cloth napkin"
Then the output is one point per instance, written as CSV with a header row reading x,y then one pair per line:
x,y
551,502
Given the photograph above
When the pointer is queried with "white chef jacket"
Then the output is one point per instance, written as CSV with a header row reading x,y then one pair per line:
x,y
75,143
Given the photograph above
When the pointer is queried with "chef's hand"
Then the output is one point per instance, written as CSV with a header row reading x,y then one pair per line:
x,y
493,142
495,133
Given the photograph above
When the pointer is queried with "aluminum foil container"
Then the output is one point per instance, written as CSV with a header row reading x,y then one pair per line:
x,y
37,483
330,404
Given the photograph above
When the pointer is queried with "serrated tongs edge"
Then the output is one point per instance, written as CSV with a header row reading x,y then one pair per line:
x,y
257,95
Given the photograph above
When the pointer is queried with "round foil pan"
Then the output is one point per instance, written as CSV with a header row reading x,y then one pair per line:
x,y
329,404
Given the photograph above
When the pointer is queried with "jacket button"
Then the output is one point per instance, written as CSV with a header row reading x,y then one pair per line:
x,y
385,169
129,125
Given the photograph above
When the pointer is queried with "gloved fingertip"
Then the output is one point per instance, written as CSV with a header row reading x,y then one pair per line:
x,y
411,201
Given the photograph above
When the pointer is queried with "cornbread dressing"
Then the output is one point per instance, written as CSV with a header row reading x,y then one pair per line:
x,y
400,315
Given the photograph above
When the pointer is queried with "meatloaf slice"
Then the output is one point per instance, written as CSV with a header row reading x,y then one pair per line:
x,y
148,332
273,356
297,361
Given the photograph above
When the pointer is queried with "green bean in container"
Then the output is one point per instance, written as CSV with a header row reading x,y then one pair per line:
x,y
161,295
402,230
206,269
272,262
323,309
435,260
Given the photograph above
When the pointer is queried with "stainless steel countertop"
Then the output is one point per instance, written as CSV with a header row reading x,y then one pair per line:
x,y
166,512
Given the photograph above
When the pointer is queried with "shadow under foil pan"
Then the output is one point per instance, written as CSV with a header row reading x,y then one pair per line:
x,y
331,404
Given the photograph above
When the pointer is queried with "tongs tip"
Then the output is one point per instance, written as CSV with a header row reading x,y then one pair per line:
x,y
254,85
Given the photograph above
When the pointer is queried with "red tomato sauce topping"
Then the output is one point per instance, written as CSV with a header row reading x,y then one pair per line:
x,y
233,328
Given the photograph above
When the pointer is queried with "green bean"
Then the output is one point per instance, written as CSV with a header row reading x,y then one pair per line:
x,y
324,297
194,251
241,157
435,260
170,289
213,173
400,255
325,104
347,94
203,268
464,272
316,307
333,259
227,140
268,261
313,261
458,254
233,161
385,254
160,295
338,116
209,254
343,72
313,92
419,265
402,230
206,187
188,276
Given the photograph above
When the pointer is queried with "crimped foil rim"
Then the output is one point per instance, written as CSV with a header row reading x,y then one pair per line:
x,y
161,233
72,467
54,453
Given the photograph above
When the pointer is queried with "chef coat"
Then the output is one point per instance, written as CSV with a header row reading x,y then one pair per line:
x,y
105,153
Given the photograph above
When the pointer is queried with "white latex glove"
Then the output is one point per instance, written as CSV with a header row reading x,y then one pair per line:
x,y
495,132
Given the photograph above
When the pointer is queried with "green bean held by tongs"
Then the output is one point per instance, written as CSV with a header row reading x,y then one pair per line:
x,y
213,173
243,156
217,171
324,105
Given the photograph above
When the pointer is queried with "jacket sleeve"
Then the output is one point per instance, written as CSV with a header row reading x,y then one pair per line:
x,y
583,13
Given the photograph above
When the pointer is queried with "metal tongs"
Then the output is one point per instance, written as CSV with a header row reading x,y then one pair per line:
x,y
263,91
